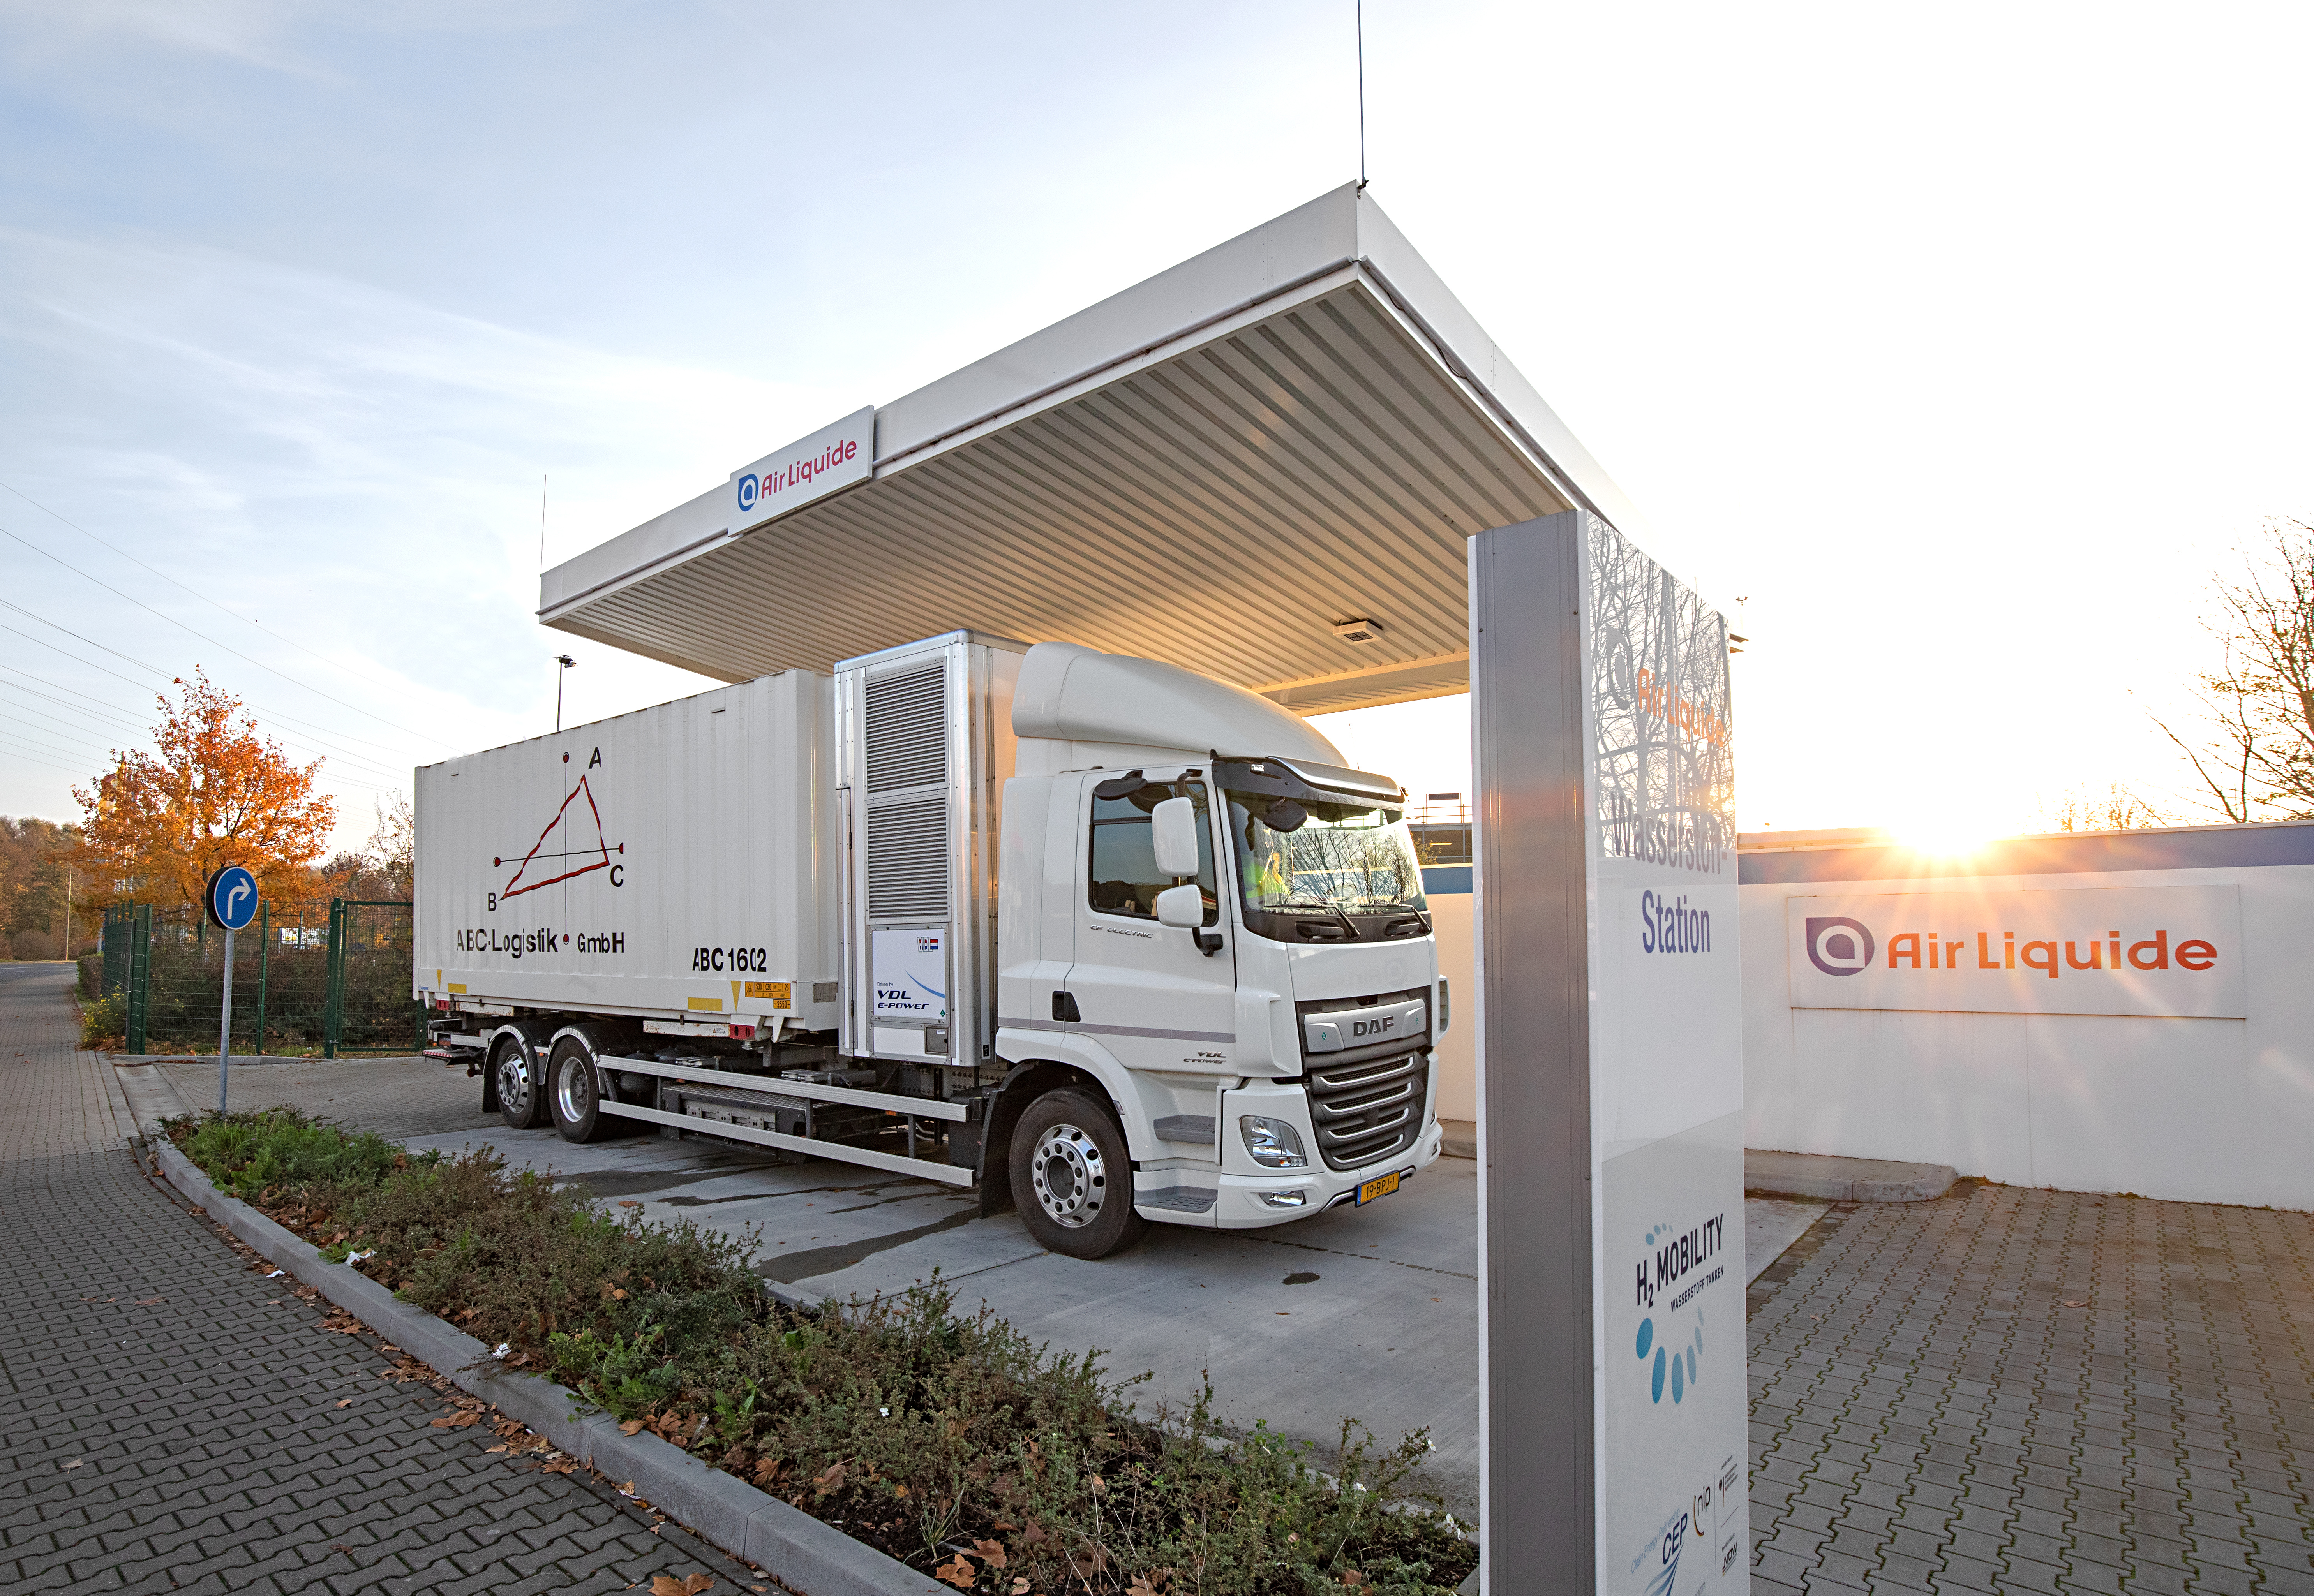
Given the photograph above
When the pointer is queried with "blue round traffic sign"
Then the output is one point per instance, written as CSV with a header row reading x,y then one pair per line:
x,y
232,897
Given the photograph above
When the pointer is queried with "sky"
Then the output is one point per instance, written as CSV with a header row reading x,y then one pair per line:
x,y
1953,351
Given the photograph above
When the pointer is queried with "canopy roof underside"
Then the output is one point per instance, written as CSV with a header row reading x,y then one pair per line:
x,y
1220,501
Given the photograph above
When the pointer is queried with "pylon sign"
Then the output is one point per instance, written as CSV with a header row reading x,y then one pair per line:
x,y
1611,1070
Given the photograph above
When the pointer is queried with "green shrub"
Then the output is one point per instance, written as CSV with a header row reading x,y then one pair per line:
x,y
922,1432
951,1442
104,1021
249,1154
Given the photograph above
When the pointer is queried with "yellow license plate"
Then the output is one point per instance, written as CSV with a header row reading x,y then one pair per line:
x,y
1381,1185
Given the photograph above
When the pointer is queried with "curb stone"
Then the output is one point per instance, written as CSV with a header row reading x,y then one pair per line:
x,y
804,1553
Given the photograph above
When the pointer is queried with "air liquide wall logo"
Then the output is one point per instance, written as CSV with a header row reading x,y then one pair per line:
x,y
2156,952
1837,945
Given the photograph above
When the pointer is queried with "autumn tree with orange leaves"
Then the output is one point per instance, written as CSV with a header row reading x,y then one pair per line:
x,y
216,793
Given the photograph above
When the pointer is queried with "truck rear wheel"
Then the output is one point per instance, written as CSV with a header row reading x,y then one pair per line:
x,y
574,1092
1072,1179
520,1102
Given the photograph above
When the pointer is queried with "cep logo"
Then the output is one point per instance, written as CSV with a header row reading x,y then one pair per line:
x,y
1837,945
750,489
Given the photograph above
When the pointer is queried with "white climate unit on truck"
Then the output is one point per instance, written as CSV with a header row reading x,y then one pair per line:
x,y
924,742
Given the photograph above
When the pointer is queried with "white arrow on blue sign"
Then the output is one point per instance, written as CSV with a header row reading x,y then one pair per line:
x,y
232,897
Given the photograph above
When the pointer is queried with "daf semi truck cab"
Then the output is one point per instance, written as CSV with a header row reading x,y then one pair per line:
x,y
1114,942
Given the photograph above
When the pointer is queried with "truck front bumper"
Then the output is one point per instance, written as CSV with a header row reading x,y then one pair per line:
x,y
1251,1202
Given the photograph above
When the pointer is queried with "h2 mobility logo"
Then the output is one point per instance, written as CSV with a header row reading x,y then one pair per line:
x,y
1837,945
1675,1257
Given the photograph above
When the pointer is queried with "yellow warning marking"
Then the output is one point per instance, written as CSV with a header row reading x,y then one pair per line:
x,y
708,1005
780,992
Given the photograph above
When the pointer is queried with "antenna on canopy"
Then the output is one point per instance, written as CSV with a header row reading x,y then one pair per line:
x,y
1361,94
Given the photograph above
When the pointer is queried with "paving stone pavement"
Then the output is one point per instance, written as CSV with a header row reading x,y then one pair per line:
x,y
400,1096
2018,1390
172,1420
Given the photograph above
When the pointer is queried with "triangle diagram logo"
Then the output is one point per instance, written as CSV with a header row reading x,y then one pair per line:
x,y
571,845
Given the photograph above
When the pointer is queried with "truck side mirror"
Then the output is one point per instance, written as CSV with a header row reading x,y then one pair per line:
x,y
1181,907
1173,832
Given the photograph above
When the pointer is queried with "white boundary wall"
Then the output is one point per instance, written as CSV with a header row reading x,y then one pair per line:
x,y
2216,1110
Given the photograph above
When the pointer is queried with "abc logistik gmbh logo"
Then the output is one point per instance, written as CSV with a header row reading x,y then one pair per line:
x,y
1837,945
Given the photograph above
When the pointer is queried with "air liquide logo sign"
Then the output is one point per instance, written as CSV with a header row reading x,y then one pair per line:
x,y
2156,952
811,468
1837,945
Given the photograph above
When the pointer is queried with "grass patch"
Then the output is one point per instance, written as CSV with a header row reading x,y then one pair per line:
x,y
948,1440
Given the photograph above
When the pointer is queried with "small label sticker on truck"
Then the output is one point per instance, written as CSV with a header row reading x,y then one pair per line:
x,y
779,993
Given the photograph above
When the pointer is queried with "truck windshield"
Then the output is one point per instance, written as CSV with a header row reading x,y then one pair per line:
x,y
1326,872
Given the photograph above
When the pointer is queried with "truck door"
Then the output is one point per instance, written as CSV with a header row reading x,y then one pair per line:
x,y
1153,996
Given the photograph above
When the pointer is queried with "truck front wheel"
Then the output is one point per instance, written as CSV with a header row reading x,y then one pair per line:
x,y
1072,1178
520,1102
574,1093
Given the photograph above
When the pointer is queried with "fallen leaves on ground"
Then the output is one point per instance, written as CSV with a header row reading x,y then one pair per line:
x,y
456,1421
960,1574
667,1585
346,1402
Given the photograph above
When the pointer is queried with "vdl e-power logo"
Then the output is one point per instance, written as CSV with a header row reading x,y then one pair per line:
x,y
1838,946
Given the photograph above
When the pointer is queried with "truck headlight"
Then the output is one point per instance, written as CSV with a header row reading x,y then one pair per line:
x,y
1274,1143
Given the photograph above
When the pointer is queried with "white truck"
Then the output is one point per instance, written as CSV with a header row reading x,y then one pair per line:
x,y
1115,942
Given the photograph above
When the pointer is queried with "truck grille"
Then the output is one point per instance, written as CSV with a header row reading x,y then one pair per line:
x,y
1368,1111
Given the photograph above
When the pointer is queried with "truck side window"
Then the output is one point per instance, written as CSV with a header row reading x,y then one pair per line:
x,y
1123,876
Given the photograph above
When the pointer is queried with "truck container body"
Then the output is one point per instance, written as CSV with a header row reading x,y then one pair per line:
x,y
1115,942
675,865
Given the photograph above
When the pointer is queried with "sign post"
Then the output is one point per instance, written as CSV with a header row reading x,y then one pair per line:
x,y
1612,1399
231,899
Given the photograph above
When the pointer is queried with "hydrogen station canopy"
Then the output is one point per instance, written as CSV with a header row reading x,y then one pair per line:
x,y
1224,467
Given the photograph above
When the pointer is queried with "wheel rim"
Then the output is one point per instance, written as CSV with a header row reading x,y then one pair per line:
x,y
1070,1176
514,1081
570,1093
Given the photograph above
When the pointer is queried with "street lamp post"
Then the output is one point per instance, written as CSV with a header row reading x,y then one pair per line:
x,y
562,662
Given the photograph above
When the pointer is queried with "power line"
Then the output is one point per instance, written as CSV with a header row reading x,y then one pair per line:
x,y
212,642
252,621
359,768
50,763
341,753
28,709
125,717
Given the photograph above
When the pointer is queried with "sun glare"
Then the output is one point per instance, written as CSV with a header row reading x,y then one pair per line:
x,y
1949,833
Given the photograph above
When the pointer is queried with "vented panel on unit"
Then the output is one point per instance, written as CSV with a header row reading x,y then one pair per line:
x,y
907,859
904,728
903,737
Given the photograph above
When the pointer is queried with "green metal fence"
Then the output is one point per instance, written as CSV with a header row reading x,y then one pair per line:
x,y
370,1008
340,987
